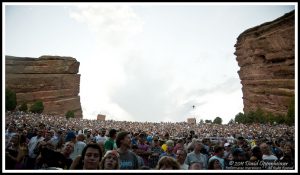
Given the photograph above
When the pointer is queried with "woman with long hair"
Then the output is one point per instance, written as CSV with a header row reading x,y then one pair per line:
x,y
15,153
110,161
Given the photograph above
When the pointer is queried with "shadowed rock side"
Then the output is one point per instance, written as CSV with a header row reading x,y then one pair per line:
x,y
266,56
52,79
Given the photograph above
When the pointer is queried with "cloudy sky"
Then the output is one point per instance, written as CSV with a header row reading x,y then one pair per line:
x,y
143,62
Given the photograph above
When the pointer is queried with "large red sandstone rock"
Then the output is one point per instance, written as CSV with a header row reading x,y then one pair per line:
x,y
266,56
52,79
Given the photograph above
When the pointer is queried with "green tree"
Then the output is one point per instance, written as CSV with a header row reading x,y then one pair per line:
x,y
259,116
248,117
70,114
37,107
290,117
23,107
218,120
239,118
208,121
201,122
280,119
10,100
231,121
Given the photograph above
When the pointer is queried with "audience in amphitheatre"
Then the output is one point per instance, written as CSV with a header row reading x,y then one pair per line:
x,y
41,141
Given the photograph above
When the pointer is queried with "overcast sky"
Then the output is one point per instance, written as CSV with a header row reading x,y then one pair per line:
x,y
144,62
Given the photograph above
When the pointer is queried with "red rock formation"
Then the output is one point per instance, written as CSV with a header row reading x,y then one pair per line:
x,y
266,56
52,79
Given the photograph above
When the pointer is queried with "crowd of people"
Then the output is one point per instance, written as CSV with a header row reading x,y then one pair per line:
x,y
41,141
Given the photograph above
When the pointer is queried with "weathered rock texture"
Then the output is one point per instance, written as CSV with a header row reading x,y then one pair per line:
x,y
266,56
52,79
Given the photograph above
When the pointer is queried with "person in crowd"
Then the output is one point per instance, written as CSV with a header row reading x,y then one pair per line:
x,y
267,153
275,149
128,159
48,157
227,150
218,154
66,152
81,138
15,153
24,136
78,145
110,161
167,163
110,143
227,160
247,149
102,137
191,145
288,155
256,154
89,159
180,157
134,139
134,149
179,145
143,149
155,152
149,139
214,165
196,165
238,155
196,155
33,148
89,137
169,150
240,141
57,140
187,143
11,130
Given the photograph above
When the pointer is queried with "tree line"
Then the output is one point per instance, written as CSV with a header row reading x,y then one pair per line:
x,y
36,107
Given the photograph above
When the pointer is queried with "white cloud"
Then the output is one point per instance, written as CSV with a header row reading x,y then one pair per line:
x,y
113,24
149,67
124,79
115,28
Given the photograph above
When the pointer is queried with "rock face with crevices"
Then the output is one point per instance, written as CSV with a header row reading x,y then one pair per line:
x,y
52,79
266,56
